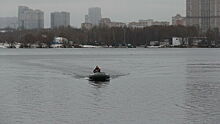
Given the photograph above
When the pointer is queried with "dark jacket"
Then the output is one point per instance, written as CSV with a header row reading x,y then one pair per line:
x,y
97,69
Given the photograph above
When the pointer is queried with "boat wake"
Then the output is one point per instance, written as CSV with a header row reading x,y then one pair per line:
x,y
75,71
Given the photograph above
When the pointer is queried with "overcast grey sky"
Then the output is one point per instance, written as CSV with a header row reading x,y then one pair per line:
x,y
117,10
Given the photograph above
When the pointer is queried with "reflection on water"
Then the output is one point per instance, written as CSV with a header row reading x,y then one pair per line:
x,y
203,93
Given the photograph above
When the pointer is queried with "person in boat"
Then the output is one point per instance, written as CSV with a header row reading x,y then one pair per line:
x,y
97,69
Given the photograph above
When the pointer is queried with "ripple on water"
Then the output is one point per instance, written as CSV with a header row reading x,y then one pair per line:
x,y
203,93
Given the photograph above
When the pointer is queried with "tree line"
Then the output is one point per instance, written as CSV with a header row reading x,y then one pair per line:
x,y
104,35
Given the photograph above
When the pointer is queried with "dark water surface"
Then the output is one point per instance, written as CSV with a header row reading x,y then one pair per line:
x,y
148,86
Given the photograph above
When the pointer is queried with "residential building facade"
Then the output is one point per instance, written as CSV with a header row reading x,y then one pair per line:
x,y
87,26
178,20
204,14
60,19
147,23
94,15
29,18
107,22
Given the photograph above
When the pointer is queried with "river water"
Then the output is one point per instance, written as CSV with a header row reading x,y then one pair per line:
x,y
148,86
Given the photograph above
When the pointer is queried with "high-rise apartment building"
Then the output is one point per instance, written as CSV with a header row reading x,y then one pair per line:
x,y
94,15
60,19
203,13
21,10
29,18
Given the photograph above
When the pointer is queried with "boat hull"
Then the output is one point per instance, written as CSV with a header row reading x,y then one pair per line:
x,y
99,77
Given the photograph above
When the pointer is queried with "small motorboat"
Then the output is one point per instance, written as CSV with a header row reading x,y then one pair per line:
x,y
99,76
